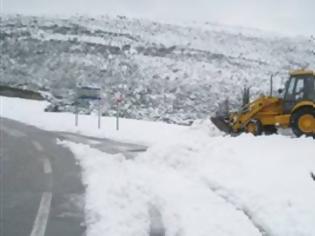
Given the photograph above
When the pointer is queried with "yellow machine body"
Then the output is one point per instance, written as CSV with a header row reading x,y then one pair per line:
x,y
271,111
266,109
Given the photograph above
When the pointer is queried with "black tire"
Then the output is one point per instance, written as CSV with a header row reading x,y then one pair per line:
x,y
270,129
294,121
258,127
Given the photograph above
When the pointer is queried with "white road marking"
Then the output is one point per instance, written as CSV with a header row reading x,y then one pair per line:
x,y
47,166
13,132
38,146
40,223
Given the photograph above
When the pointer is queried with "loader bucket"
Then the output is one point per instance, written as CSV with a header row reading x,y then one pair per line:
x,y
221,123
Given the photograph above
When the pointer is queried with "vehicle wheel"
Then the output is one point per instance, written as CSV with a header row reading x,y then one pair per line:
x,y
254,127
270,129
303,122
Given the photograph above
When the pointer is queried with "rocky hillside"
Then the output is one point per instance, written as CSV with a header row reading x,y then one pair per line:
x,y
175,73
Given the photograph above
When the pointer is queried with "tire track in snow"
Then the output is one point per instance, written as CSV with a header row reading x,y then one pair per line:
x,y
156,225
215,189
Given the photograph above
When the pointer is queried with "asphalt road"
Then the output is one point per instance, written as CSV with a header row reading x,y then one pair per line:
x,y
105,145
41,191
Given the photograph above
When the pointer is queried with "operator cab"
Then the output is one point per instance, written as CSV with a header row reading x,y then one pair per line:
x,y
300,86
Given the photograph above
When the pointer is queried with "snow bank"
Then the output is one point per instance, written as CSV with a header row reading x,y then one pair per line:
x,y
141,132
204,186
268,178
120,193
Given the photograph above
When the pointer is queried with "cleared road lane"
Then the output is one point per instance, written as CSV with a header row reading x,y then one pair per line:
x,y
41,190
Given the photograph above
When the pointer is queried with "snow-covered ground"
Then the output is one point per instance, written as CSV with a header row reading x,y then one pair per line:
x,y
201,182
204,186
140,132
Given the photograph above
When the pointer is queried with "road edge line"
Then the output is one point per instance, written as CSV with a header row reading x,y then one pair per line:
x,y
38,146
41,220
47,166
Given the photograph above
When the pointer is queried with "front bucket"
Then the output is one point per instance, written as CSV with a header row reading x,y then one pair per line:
x,y
221,124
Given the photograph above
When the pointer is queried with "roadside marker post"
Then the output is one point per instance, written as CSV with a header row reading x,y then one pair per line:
x,y
76,122
117,117
99,113
118,98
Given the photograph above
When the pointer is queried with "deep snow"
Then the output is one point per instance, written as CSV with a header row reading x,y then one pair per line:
x,y
203,186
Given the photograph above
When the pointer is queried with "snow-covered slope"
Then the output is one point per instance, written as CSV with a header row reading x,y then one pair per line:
x,y
174,73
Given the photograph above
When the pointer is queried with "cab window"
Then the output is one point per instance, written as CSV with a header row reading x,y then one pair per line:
x,y
295,89
290,88
311,88
299,89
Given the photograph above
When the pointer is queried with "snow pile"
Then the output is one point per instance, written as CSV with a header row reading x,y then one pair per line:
x,y
120,194
203,186
206,127
267,177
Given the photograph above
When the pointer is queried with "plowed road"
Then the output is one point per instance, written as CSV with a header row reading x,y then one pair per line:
x,y
41,190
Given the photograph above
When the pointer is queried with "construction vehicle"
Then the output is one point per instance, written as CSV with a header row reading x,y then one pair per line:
x,y
295,110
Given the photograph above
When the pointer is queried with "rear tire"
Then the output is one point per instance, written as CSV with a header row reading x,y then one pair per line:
x,y
301,123
254,127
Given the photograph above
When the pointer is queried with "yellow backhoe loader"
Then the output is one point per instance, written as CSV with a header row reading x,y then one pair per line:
x,y
295,110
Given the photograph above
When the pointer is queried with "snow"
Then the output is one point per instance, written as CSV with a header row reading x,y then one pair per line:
x,y
86,39
141,132
200,181
203,186
120,206
166,72
268,177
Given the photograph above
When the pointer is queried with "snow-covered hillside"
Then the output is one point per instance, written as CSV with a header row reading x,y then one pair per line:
x,y
174,73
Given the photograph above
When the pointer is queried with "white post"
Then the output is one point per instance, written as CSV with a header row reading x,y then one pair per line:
x,y
76,114
118,98
117,116
99,114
